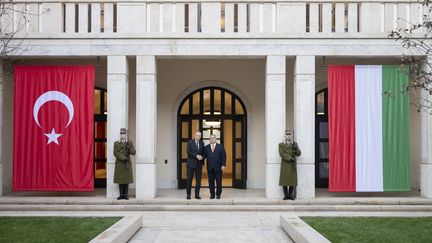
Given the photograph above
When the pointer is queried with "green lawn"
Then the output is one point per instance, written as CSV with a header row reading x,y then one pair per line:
x,y
373,229
52,229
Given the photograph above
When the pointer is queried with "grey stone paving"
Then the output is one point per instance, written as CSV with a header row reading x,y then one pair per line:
x,y
210,227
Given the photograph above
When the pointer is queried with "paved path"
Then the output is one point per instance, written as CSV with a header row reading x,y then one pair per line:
x,y
210,227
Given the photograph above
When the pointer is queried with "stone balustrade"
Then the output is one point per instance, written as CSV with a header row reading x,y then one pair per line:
x,y
208,18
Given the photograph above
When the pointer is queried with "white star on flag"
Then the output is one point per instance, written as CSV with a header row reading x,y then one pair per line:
x,y
52,137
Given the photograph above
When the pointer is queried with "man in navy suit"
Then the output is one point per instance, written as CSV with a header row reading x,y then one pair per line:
x,y
195,150
216,162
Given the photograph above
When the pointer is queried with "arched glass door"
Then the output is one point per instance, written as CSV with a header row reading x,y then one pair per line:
x,y
321,139
214,110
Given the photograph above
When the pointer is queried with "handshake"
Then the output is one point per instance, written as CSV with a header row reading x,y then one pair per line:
x,y
199,157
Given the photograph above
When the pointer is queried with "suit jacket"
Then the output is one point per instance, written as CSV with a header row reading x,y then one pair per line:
x,y
193,151
217,159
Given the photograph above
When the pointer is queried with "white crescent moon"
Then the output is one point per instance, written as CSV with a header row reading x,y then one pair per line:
x,y
53,96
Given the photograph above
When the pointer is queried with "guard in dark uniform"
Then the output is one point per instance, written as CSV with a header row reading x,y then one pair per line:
x,y
123,167
288,151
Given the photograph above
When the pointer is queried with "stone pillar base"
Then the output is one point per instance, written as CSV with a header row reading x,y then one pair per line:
x,y
426,180
306,180
272,189
112,189
1,180
146,181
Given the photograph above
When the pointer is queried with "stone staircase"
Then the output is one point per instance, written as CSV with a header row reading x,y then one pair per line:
x,y
336,204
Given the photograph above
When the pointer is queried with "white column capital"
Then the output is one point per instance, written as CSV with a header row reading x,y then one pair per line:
x,y
276,65
117,65
304,65
146,65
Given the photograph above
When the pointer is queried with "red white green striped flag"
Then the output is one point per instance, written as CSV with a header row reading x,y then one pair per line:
x,y
369,148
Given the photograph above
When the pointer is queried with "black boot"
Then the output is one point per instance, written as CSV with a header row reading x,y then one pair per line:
x,y
120,192
126,192
285,190
290,193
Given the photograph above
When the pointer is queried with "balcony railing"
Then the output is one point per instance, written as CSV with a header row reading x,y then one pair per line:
x,y
208,18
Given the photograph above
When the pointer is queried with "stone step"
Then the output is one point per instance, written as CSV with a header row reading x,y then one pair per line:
x,y
303,208
33,201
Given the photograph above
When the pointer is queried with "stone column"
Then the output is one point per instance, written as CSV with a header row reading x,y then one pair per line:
x,y
426,149
1,126
118,116
146,92
275,121
304,124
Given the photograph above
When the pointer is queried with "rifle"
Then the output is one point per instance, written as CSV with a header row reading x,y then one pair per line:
x,y
127,149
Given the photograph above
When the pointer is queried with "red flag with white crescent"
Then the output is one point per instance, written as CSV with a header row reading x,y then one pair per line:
x,y
53,128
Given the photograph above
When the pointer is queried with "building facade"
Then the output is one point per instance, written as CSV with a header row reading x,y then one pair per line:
x,y
245,70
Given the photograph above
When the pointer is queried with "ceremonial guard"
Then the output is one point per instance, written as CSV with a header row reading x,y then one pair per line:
x,y
123,167
288,151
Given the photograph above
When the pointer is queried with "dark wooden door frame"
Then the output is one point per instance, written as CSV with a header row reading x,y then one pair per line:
x,y
319,118
213,116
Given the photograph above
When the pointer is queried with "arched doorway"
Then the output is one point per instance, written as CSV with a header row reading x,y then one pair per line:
x,y
219,111
321,139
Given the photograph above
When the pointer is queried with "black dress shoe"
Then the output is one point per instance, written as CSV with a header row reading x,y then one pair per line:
x,y
197,197
126,198
218,197
212,197
291,197
120,197
188,197
285,198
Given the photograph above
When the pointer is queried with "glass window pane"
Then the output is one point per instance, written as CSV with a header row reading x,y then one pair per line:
x,y
100,150
206,102
323,170
238,131
196,103
185,129
238,108
195,127
228,143
100,129
320,104
100,170
217,102
184,150
185,108
105,102
238,151
323,150
184,171
227,103
97,101
238,173
323,130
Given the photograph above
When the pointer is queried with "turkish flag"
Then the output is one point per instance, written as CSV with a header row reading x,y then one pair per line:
x,y
53,128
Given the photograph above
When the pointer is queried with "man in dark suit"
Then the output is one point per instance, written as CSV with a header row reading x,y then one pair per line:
x,y
216,162
195,151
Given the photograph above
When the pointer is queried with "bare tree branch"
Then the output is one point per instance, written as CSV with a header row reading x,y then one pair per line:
x,y
416,39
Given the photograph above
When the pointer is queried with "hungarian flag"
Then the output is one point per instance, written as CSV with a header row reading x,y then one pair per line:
x,y
53,128
369,148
